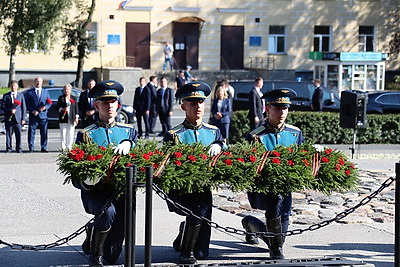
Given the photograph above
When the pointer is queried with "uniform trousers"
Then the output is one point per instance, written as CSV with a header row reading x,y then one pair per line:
x,y
113,216
201,205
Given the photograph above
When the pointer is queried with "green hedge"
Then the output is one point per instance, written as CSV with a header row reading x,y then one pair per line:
x,y
323,128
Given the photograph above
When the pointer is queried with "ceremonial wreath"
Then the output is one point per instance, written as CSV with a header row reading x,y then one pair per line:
x,y
241,167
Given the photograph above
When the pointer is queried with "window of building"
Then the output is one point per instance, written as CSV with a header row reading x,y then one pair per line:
x,y
322,38
276,40
366,38
91,30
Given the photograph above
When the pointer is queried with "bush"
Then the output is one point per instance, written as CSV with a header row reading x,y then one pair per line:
x,y
324,128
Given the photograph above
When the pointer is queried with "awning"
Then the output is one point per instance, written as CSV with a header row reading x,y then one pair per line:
x,y
190,19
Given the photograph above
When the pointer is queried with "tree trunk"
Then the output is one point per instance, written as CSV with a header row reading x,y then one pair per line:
x,y
11,71
79,73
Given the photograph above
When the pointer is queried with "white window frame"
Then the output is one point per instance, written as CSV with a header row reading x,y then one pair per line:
x,y
362,39
321,37
273,40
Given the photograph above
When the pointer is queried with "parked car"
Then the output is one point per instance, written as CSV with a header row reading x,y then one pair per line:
x,y
383,102
304,90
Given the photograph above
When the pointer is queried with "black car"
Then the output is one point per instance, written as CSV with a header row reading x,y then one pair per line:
x,y
126,114
384,102
304,90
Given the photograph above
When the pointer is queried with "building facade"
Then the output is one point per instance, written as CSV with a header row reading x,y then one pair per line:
x,y
213,35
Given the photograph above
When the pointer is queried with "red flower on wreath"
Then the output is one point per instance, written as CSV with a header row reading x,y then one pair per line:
x,y
178,162
276,154
240,159
341,161
76,154
155,165
306,162
132,155
252,158
254,149
328,151
276,161
102,148
192,158
337,167
203,156
150,153
90,158
227,153
178,155
146,156
129,164
324,159
228,162
159,152
290,150
290,162
142,169
99,156
347,172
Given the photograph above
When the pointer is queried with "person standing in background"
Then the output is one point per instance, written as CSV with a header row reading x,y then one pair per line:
x,y
316,100
38,103
86,106
220,112
168,56
14,107
68,116
180,81
152,85
141,104
165,105
256,104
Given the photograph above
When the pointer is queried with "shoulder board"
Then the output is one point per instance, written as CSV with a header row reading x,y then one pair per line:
x,y
89,128
176,128
292,127
210,126
257,130
124,125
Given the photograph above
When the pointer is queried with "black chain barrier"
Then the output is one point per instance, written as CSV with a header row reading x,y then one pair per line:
x,y
215,225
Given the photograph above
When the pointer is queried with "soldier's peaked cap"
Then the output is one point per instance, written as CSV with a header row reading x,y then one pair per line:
x,y
106,90
194,91
279,97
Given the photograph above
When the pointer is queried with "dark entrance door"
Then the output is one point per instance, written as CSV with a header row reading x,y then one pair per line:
x,y
138,45
186,44
232,47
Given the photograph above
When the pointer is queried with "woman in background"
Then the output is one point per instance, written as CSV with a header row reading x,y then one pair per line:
x,y
220,112
68,116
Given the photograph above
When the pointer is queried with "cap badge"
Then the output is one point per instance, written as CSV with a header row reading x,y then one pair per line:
x,y
110,83
196,84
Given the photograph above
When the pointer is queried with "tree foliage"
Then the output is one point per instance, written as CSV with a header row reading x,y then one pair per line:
x,y
78,43
30,24
393,27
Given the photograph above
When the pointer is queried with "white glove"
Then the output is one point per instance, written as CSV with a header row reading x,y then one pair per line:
x,y
123,148
90,181
215,149
319,148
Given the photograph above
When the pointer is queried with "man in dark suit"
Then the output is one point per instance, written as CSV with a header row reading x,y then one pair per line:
x,y
165,105
152,85
141,104
15,111
257,106
38,103
86,106
316,100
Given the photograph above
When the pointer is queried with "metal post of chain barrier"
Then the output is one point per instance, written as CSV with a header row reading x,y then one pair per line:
x,y
130,210
148,217
397,218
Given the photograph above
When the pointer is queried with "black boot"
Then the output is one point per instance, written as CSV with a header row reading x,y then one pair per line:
x,y
86,243
189,239
275,243
178,240
252,224
96,248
